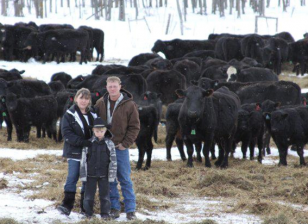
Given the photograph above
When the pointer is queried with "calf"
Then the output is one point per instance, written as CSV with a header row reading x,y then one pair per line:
x,y
289,127
27,112
150,110
250,129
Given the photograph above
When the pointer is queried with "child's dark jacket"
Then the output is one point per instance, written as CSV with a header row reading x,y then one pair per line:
x,y
95,160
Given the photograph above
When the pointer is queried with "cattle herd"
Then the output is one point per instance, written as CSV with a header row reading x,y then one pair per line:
x,y
48,41
219,91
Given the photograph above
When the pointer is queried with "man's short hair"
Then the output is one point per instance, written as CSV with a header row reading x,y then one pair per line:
x,y
113,79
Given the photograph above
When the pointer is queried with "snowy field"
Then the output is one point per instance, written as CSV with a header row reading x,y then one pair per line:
x,y
121,45
43,211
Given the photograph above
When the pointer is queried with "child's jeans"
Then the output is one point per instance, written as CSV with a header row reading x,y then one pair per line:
x,y
90,189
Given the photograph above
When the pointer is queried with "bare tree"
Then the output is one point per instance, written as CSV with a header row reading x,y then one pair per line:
x,y
108,12
136,7
3,8
122,10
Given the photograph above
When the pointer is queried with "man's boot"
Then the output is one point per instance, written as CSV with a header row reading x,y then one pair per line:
x,y
67,203
82,211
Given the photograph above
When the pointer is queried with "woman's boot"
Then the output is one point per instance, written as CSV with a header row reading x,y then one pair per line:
x,y
67,203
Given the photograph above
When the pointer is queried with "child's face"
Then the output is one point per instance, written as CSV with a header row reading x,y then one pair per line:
x,y
99,132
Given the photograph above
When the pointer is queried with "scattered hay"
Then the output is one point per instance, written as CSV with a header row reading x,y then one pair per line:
x,y
279,219
8,221
3,183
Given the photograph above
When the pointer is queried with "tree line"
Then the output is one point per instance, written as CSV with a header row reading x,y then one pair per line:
x,y
101,9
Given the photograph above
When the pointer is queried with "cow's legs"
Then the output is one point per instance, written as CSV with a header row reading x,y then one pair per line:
x,y
190,151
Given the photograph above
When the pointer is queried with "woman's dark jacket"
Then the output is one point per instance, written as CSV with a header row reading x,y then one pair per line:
x,y
73,133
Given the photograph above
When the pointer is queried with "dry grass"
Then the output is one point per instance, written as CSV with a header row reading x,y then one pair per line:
x,y
253,188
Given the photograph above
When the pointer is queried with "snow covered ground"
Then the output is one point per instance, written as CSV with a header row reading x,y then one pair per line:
x,y
43,211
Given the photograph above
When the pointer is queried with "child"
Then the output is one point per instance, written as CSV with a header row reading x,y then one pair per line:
x,y
98,167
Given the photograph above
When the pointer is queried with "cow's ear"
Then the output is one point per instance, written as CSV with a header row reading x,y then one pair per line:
x,y
278,104
207,93
258,107
267,116
181,93
194,82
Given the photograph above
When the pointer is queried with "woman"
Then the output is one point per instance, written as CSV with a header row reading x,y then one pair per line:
x,y
76,131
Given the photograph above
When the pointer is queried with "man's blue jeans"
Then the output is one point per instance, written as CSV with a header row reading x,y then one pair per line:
x,y
73,176
123,175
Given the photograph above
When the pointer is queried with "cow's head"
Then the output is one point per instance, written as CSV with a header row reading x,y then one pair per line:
x,y
194,101
159,46
206,83
269,106
279,121
12,101
243,120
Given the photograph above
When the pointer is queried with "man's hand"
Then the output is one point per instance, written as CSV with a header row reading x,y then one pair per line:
x,y
120,146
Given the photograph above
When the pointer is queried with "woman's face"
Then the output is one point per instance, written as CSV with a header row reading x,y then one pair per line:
x,y
82,102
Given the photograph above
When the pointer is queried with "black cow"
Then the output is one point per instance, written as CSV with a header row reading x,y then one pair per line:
x,y
250,129
60,42
14,43
254,75
98,44
214,36
275,52
62,77
56,86
189,69
25,88
75,81
215,72
251,46
11,75
141,59
150,110
26,112
86,82
159,63
285,36
252,62
205,115
126,70
166,82
197,60
135,84
173,131
228,48
47,27
288,93
101,69
204,54
89,51
5,116
298,55
178,48
289,127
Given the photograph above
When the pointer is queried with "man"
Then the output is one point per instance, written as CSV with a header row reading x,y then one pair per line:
x,y
118,109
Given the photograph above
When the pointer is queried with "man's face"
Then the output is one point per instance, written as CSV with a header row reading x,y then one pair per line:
x,y
113,88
